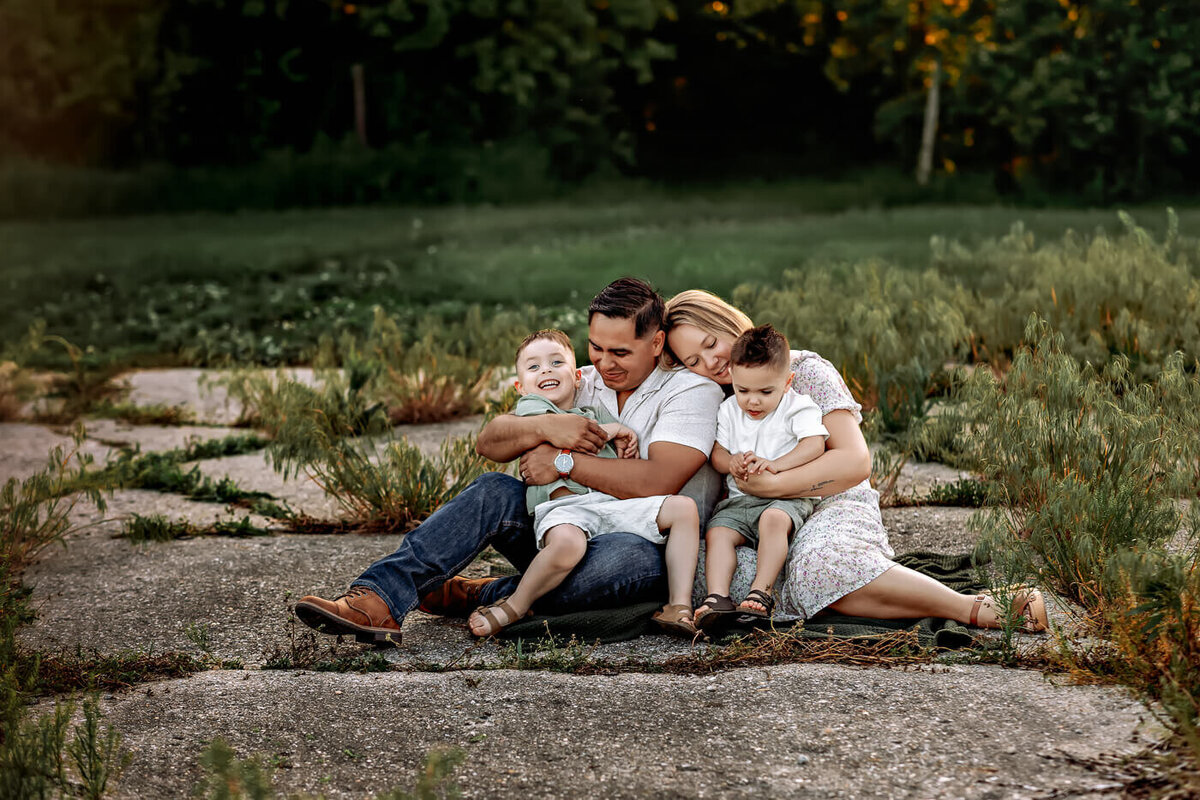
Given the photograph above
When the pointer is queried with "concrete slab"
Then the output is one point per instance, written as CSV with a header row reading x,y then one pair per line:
x,y
790,731
25,448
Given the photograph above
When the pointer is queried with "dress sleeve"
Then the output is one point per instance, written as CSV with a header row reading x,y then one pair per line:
x,y
821,381
805,419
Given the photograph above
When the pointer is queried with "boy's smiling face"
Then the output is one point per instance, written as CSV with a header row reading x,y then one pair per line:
x,y
547,368
759,389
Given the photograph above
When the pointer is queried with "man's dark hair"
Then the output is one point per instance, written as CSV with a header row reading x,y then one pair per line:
x,y
629,298
761,346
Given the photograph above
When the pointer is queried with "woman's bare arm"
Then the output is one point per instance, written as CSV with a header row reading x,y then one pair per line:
x,y
845,463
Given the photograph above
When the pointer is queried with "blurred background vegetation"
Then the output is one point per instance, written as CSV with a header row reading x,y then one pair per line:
x,y
154,105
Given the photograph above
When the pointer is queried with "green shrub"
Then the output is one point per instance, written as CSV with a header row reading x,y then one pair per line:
x,y
888,330
1107,295
1082,463
396,489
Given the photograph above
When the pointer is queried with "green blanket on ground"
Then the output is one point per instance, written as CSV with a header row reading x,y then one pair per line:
x,y
618,624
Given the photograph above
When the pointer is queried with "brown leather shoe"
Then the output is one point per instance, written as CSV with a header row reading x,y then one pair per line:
x,y
360,613
457,597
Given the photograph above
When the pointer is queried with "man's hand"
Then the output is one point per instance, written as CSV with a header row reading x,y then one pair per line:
x,y
573,432
537,465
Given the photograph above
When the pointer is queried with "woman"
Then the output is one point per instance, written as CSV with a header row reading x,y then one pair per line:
x,y
841,559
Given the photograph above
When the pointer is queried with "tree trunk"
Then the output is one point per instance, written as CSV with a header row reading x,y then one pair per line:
x,y
360,104
925,161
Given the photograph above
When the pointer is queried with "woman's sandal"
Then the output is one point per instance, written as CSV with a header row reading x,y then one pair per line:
x,y
494,624
720,606
764,599
1028,605
676,619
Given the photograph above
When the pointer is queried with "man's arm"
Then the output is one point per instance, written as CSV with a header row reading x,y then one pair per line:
x,y
846,462
665,471
508,436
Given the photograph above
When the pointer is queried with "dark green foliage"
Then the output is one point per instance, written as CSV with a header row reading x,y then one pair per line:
x,y
157,414
162,471
157,528
1093,95
964,492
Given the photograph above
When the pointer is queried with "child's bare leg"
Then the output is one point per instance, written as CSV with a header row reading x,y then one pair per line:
x,y
720,559
679,517
563,548
774,528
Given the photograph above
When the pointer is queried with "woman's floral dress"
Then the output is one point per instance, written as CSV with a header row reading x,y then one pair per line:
x,y
843,546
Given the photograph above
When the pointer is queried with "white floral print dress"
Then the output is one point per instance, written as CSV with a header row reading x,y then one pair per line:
x,y
843,546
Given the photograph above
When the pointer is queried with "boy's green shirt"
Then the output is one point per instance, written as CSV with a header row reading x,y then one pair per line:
x,y
531,405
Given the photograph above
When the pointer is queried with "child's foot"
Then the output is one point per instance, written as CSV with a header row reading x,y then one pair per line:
x,y
758,603
713,609
676,619
489,620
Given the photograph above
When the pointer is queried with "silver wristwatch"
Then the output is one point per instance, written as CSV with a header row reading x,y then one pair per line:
x,y
564,463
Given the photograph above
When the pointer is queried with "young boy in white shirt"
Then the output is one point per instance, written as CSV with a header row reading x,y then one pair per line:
x,y
763,426
568,514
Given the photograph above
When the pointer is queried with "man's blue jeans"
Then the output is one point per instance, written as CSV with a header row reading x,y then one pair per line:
x,y
618,568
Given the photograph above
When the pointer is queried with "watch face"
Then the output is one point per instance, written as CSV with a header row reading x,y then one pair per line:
x,y
563,462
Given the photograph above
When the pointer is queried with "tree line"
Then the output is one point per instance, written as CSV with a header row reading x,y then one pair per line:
x,y
1098,96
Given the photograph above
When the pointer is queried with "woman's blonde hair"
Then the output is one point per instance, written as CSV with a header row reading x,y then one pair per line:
x,y
707,312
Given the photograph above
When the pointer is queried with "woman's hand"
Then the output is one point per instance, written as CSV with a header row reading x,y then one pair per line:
x,y
759,484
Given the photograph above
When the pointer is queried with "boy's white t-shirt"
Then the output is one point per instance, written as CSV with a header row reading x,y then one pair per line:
x,y
795,418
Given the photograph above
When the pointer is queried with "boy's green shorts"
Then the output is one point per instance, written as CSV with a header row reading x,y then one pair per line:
x,y
741,513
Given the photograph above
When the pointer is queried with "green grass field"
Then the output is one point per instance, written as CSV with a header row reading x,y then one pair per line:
x,y
263,286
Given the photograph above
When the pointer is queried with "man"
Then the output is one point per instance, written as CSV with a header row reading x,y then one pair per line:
x,y
672,412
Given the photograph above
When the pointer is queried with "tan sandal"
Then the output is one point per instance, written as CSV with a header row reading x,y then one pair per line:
x,y
494,624
1028,605
676,619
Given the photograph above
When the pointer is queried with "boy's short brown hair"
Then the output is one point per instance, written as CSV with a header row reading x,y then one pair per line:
x,y
552,334
761,346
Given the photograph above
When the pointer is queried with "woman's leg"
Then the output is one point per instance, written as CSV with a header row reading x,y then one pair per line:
x,y
680,520
564,547
901,593
774,528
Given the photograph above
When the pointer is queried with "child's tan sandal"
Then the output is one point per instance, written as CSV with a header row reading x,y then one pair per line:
x,y
494,623
676,619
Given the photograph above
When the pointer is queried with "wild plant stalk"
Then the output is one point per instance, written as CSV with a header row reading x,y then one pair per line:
x,y
36,511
